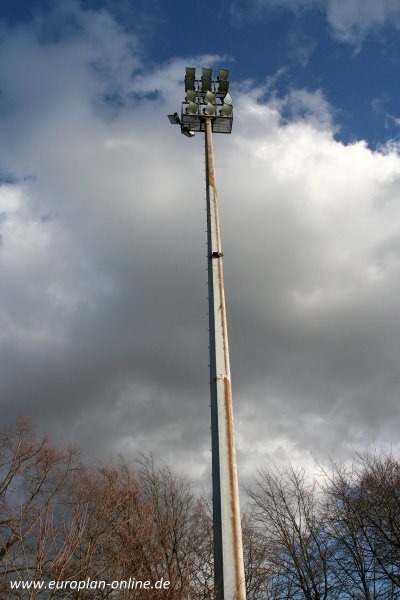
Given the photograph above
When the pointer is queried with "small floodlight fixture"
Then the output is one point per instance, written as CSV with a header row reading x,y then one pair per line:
x,y
174,119
191,96
223,75
226,111
206,80
187,132
223,83
209,109
228,99
227,108
209,97
192,108
190,78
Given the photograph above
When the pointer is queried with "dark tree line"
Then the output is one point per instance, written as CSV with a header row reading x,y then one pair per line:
x,y
336,536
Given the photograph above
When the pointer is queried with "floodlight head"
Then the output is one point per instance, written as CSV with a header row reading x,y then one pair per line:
x,y
174,119
210,109
191,96
206,80
193,108
223,87
186,131
189,78
226,110
209,97
223,83
228,99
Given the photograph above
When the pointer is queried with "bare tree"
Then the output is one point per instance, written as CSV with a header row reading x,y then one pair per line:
x,y
37,535
61,521
177,518
287,512
258,568
116,544
363,516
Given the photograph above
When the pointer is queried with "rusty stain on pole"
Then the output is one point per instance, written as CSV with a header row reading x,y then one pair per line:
x,y
228,548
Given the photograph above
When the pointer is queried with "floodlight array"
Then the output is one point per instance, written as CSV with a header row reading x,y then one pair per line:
x,y
207,98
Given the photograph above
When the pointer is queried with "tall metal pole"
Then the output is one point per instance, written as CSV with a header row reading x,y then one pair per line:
x,y
208,107
229,579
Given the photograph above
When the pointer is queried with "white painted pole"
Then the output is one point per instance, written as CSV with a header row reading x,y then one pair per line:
x,y
229,579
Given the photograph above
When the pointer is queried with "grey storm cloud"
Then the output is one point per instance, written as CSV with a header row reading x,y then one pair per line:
x,y
103,287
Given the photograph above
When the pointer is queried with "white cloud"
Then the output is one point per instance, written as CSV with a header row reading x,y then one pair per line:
x,y
315,304
351,21
311,106
300,47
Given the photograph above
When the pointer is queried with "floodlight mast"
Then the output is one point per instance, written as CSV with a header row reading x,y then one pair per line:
x,y
208,108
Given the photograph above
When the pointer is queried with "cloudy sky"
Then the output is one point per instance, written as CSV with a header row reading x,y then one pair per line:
x,y
103,325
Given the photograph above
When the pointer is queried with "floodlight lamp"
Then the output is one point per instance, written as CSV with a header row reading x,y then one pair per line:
x,y
228,99
223,87
209,97
191,96
206,80
210,109
193,108
186,131
226,110
223,75
190,73
174,119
